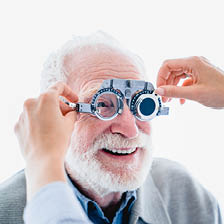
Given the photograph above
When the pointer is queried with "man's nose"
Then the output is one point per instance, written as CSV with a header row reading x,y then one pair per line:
x,y
125,124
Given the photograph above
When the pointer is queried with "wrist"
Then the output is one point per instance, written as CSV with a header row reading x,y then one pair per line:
x,y
45,169
45,160
41,173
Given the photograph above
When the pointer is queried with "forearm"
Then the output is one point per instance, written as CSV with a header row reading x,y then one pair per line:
x,y
41,173
55,203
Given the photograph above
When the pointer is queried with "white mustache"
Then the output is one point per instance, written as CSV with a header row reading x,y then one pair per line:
x,y
118,141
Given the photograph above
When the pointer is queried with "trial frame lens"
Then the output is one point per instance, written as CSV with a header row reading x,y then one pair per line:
x,y
107,105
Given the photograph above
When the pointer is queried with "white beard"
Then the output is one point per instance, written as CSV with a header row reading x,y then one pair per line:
x,y
84,168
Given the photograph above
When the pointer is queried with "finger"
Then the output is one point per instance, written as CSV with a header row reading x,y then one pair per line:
x,y
182,64
162,76
180,75
186,92
62,89
29,104
28,111
18,123
174,79
187,82
170,79
65,108
206,60
165,99
71,116
182,101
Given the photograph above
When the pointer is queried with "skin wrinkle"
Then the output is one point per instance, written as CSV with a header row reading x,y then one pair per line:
x,y
104,179
109,64
110,71
82,66
103,74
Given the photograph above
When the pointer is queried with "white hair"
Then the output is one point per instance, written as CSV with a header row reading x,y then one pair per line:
x,y
54,69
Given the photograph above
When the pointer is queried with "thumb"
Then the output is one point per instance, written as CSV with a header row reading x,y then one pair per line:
x,y
71,117
186,92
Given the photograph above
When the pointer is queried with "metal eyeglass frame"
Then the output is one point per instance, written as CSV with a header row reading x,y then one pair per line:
x,y
134,91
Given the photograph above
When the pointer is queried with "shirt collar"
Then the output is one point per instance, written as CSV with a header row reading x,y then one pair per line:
x,y
85,201
148,206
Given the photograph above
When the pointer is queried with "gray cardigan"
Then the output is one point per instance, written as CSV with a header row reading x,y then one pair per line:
x,y
169,195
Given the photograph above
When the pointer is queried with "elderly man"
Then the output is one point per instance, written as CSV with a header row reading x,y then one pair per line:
x,y
109,164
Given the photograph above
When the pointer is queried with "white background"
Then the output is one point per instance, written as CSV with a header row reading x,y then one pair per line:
x,y
156,30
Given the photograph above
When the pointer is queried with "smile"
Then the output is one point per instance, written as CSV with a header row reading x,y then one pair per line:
x,y
120,152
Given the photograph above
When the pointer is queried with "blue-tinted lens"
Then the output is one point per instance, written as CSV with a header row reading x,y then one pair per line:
x,y
147,106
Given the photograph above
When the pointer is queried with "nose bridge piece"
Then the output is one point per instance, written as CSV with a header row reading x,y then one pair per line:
x,y
128,93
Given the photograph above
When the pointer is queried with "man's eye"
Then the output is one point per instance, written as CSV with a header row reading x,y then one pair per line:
x,y
102,104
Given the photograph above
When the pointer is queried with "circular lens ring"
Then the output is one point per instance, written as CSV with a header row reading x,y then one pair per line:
x,y
136,101
146,105
101,92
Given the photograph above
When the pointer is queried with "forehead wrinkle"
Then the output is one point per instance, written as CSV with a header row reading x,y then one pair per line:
x,y
91,84
102,74
101,58
95,68
87,60
96,76
84,70
87,95
111,65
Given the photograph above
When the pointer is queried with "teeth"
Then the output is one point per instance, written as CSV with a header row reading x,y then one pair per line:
x,y
129,151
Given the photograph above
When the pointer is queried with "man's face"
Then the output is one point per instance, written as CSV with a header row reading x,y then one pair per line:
x,y
110,155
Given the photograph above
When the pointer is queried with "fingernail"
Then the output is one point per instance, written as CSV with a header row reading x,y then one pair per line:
x,y
160,91
164,99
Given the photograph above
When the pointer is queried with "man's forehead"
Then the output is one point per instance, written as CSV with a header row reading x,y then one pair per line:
x,y
89,70
91,84
93,87
88,56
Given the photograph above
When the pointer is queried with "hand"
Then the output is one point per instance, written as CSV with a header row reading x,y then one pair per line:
x,y
44,130
203,82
